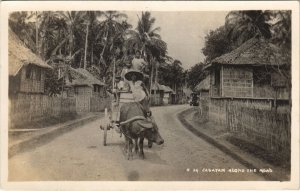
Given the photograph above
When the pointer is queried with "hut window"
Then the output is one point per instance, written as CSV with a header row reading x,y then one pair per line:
x,y
38,74
96,88
28,72
261,76
76,90
217,77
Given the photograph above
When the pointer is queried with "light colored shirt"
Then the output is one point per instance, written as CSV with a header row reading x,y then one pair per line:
x,y
120,85
137,90
138,64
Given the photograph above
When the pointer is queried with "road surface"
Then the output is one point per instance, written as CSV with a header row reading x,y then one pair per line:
x,y
80,155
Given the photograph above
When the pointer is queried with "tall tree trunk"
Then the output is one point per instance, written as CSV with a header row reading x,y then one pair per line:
x,y
36,34
58,47
70,42
176,93
151,75
114,69
86,44
102,52
80,63
155,79
92,55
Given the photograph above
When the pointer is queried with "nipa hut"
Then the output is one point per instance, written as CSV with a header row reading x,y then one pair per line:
x,y
203,87
157,94
245,88
26,69
87,90
168,92
250,71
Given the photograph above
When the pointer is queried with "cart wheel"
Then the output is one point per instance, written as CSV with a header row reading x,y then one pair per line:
x,y
104,135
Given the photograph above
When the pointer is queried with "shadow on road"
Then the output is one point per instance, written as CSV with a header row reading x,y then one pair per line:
x,y
133,176
119,144
154,158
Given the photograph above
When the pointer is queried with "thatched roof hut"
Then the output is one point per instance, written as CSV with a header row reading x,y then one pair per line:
x,y
19,55
167,89
203,85
255,51
81,77
157,87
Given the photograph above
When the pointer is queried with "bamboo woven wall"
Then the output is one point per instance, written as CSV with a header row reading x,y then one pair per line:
x,y
33,107
255,122
203,110
99,104
265,128
237,82
157,99
32,84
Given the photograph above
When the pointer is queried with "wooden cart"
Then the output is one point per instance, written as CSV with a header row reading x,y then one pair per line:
x,y
111,115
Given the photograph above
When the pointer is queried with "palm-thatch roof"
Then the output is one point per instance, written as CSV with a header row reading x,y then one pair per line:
x,y
167,89
19,55
203,85
255,51
157,87
81,77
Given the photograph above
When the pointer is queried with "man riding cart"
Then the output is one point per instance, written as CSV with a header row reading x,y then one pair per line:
x,y
132,81
130,109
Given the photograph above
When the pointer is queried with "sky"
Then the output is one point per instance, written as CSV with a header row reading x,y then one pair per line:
x,y
184,32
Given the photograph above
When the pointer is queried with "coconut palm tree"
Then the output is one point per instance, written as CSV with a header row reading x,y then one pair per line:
x,y
281,28
91,21
109,28
109,31
146,39
19,23
75,23
243,25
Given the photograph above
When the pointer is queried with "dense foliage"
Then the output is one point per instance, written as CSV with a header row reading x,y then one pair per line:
x,y
94,40
195,75
240,26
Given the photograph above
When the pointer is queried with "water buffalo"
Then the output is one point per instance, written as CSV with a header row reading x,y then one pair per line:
x,y
136,127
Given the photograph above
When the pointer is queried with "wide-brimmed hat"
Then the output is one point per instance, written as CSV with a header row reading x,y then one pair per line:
x,y
138,75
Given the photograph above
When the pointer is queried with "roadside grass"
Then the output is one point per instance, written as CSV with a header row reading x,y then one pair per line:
x,y
46,122
267,156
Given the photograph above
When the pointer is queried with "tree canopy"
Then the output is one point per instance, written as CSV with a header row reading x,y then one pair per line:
x,y
240,26
98,41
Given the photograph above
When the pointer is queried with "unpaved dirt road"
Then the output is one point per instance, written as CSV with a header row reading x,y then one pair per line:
x,y
80,155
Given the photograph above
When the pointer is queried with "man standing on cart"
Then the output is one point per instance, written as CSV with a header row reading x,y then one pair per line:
x,y
132,75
